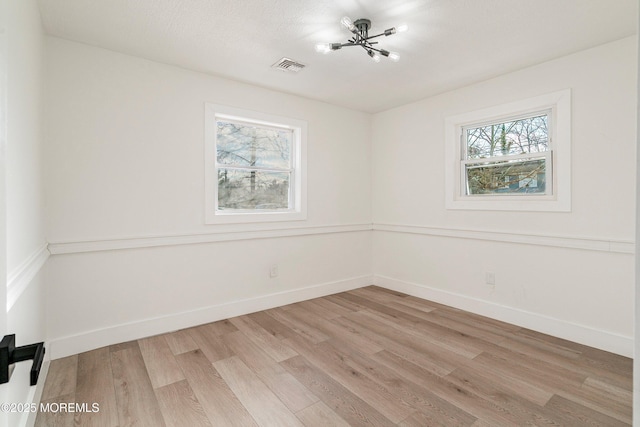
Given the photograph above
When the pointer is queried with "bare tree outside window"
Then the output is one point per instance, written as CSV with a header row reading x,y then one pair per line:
x,y
501,158
254,166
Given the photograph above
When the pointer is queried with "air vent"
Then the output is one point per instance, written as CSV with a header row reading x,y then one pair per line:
x,y
286,64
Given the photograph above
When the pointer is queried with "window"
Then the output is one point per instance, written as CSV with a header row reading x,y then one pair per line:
x,y
254,166
507,157
511,157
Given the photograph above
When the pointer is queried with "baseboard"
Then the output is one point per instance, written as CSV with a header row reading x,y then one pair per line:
x,y
600,339
69,345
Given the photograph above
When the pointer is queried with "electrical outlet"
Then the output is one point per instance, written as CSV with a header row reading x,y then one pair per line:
x,y
490,279
273,271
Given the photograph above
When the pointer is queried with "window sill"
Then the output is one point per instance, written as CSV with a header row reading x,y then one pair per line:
x,y
492,203
254,217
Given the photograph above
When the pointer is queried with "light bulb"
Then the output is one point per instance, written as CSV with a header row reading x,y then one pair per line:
x,y
402,28
323,47
346,21
394,56
374,56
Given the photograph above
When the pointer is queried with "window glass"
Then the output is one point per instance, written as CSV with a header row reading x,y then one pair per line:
x,y
525,135
507,157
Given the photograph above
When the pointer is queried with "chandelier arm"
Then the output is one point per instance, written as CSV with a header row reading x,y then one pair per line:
x,y
377,35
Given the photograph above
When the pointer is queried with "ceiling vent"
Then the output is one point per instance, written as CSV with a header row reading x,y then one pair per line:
x,y
287,64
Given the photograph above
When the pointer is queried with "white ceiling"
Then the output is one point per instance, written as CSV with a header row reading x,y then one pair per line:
x,y
450,43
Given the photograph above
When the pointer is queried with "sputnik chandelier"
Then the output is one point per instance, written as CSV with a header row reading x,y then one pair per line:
x,y
361,37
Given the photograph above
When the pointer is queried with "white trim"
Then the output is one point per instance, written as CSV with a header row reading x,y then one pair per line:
x,y
135,242
20,278
69,345
560,116
586,335
590,244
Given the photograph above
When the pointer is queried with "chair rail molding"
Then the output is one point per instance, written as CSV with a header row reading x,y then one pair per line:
x,y
20,278
135,242
559,241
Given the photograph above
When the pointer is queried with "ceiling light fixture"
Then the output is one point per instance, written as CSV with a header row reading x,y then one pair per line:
x,y
361,37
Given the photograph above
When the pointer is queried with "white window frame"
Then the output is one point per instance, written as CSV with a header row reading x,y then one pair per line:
x,y
557,196
298,184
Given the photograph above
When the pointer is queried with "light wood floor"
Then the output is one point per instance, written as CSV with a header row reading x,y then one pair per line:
x,y
364,357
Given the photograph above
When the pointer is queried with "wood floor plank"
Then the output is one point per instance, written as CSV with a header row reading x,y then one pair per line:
x,y
606,404
569,413
180,407
374,294
524,409
464,328
222,327
271,325
210,343
92,360
95,385
472,319
320,414
422,305
123,346
338,310
490,383
214,395
338,334
585,361
269,344
438,410
256,397
452,393
332,362
448,339
311,306
349,305
432,356
62,378
297,324
159,360
56,418
608,389
421,419
284,385
180,342
348,406
380,307
533,372
137,403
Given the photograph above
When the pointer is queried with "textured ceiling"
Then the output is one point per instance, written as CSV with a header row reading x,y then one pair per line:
x,y
450,43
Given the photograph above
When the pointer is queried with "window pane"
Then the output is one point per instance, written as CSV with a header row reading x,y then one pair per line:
x,y
242,144
528,135
247,189
509,177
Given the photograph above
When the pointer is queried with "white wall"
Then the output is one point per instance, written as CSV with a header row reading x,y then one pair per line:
x,y
25,242
125,171
543,281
